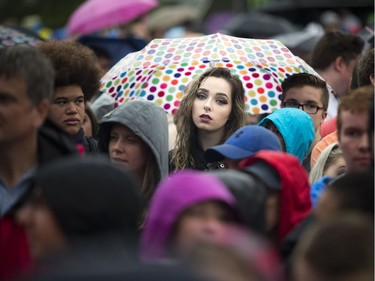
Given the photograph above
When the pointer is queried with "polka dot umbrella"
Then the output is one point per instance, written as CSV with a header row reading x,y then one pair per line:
x,y
161,70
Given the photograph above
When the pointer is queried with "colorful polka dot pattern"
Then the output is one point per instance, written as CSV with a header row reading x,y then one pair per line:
x,y
161,71
10,37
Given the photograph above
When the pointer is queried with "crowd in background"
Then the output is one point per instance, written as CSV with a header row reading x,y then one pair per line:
x,y
94,190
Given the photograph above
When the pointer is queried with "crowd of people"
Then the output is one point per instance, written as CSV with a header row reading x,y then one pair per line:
x,y
96,192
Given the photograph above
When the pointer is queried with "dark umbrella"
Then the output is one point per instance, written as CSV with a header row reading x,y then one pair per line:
x,y
304,11
117,48
258,25
15,35
288,5
301,43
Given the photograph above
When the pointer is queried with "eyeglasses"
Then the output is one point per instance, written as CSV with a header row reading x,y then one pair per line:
x,y
308,108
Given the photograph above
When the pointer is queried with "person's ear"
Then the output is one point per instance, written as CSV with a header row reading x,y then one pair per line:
x,y
372,79
41,112
339,64
324,115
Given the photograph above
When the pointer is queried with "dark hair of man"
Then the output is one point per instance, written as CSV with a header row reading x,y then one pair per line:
x,y
339,248
28,64
305,79
355,192
366,68
75,64
333,45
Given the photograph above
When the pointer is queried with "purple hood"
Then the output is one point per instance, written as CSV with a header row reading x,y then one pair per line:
x,y
173,196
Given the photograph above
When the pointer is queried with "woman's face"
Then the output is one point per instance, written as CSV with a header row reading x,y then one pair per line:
x,y
337,168
127,149
201,222
270,126
212,104
87,126
272,210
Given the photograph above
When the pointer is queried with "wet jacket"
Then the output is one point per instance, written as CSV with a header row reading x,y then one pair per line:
x,y
14,249
89,144
296,128
148,121
294,199
173,196
200,162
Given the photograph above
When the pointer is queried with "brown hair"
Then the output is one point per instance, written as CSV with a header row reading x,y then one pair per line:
x,y
305,79
74,64
340,248
333,45
358,100
94,122
150,181
366,68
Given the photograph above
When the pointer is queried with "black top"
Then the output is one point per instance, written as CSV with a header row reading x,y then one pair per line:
x,y
90,144
200,162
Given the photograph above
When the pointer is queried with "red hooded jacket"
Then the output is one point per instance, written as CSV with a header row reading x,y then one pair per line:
x,y
295,200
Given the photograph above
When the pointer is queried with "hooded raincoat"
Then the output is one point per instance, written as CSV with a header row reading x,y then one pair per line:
x,y
296,127
148,121
294,199
173,196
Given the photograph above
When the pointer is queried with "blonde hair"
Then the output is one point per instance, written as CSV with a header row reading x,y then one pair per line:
x,y
328,156
186,138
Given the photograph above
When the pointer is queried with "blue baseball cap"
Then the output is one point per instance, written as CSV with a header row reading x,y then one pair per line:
x,y
244,142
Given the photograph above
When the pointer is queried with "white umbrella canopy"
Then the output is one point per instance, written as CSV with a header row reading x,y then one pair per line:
x,y
161,70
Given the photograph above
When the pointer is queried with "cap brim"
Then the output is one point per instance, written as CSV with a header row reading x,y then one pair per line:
x,y
220,152
265,173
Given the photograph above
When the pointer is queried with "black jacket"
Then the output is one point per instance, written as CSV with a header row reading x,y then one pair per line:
x,y
200,162
90,144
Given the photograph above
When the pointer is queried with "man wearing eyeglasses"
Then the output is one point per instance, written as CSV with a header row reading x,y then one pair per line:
x,y
310,94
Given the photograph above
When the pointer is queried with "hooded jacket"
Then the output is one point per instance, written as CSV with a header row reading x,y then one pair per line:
x,y
294,199
148,121
173,196
296,128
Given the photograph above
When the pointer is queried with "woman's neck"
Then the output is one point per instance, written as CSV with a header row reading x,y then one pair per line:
x,y
208,139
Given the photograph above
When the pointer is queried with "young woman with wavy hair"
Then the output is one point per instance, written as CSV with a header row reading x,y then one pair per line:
x,y
212,109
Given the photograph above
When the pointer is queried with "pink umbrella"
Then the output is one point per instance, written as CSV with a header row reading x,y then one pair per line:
x,y
94,15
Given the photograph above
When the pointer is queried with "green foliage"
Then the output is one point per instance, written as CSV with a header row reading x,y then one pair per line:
x,y
54,13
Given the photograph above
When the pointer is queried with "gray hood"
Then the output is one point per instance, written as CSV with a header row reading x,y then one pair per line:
x,y
148,121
